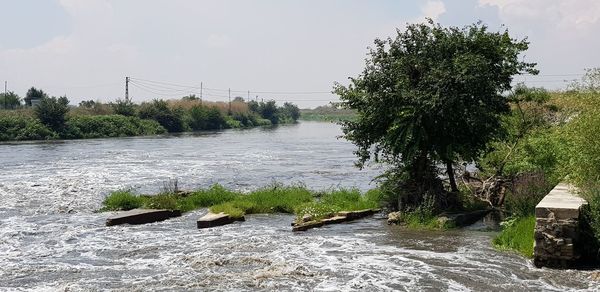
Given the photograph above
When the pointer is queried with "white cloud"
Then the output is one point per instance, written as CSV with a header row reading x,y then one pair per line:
x,y
563,34
565,15
433,9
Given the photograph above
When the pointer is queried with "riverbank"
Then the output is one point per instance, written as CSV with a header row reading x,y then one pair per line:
x,y
125,119
327,114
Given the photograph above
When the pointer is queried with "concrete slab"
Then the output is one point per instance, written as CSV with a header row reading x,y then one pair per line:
x,y
335,220
563,201
141,216
308,225
340,217
212,220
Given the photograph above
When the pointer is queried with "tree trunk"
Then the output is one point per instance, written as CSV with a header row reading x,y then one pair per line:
x,y
450,172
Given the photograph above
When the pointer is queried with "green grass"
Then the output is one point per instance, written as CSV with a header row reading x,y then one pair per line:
x,y
203,198
518,236
338,200
270,199
424,219
122,200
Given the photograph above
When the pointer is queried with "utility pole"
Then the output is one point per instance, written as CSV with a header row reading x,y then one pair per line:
x,y
248,96
200,92
229,101
126,88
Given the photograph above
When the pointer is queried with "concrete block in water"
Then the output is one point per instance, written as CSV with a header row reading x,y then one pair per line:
x,y
340,217
213,220
141,216
308,225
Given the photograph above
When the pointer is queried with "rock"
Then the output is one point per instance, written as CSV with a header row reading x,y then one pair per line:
x,y
394,218
595,276
443,221
213,220
308,225
141,216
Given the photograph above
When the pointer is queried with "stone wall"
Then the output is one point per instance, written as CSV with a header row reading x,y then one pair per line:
x,y
557,227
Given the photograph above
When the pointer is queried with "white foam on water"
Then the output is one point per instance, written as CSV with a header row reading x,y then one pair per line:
x,y
51,239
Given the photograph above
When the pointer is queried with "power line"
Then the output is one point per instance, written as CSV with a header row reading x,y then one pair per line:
x,y
179,87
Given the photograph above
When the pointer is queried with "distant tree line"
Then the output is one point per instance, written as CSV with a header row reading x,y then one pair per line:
x,y
53,117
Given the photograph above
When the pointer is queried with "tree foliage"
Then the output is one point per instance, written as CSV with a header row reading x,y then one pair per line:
x,y
34,93
159,110
123,107
10,100
431,95
52,112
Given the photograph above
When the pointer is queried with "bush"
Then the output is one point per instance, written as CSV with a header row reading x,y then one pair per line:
x,y
205,118
123,107
122,200
52,112
159,110
23,128
590,227
110,126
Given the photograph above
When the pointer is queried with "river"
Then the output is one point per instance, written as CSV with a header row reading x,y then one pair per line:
x,y
51,238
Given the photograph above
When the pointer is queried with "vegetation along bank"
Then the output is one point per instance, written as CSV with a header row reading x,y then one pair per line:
x,y
48,118
434,99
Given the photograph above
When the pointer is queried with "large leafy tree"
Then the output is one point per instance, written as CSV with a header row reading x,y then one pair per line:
x,y
52,112
432,95
34,93
9,100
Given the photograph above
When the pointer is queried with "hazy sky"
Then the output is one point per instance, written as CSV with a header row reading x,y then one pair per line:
x,y
84,49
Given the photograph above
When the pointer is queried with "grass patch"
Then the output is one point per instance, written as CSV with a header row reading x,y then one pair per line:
x,y
273,199
338,200
517,235
422,219
122,200
203,198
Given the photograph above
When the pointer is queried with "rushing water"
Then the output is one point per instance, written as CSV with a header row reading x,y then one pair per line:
x,y
51,238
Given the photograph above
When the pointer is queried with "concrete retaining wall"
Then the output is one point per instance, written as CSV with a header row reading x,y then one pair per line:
x,y
557,227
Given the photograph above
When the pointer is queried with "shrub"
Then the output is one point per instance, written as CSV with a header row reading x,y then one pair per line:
x,y
590,236
159,110
232,124
123,107
205,118
15,127
110,126
52,112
